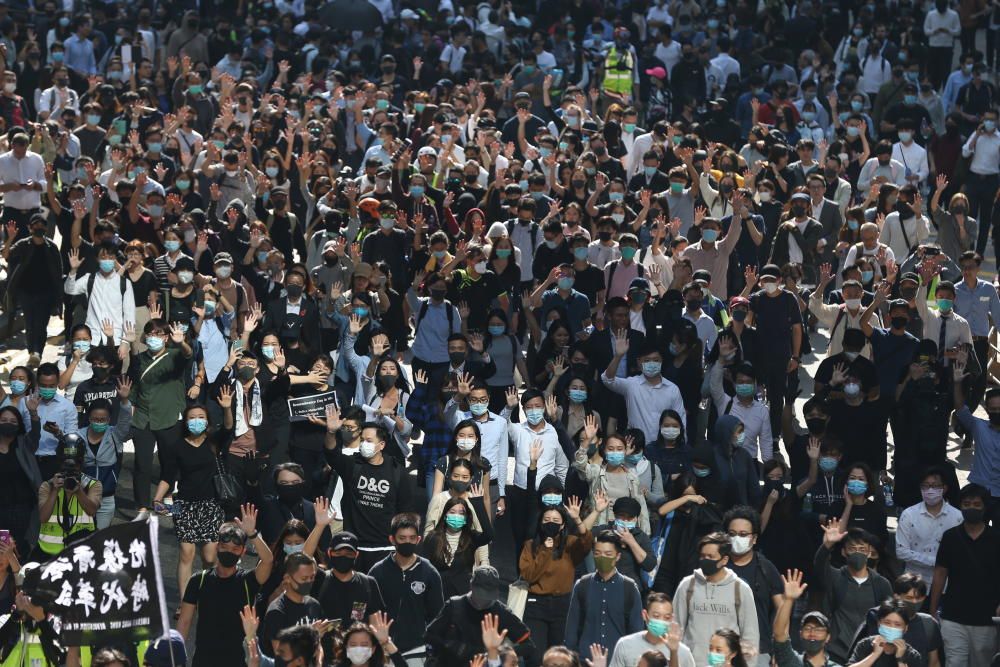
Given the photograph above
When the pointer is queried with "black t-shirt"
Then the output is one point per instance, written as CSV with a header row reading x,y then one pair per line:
x,y
774,317
35,279
589,282
762,576
349,601
142,287
973,577
219,601
88,392
283,613
478,294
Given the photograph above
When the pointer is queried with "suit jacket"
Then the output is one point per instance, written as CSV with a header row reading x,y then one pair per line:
x,y
600,349
307,330
831,220
806,241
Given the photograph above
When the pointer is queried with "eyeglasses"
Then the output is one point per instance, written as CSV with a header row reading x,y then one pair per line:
x,y
479,401
744,533
231,538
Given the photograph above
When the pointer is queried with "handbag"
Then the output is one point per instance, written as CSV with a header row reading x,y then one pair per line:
x,y
227,488
517,597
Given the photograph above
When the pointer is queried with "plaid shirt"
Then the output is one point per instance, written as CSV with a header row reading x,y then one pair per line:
x,y
424,411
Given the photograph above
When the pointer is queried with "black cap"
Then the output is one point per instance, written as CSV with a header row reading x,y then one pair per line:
x,y
770,270
485,587
817,618
910,275
639,283
344,540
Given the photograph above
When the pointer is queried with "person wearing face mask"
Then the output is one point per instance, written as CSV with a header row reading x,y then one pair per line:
x,y
611,479
411,584
638,557
20,467
814,632
478,286
970,599
906,227
743,403
556,292
737,475
943,325
282,224
886,646
922,633
344,591
850,590
288,502
105,441
957,231
662,635
799,237
984,433
219,593
713,597
457,533
742,524
294,606
34,278
860,511
294,313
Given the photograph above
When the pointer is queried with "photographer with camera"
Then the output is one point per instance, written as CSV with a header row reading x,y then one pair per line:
x,y
68,503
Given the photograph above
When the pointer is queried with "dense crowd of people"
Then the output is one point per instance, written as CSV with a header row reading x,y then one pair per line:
x,y
473,333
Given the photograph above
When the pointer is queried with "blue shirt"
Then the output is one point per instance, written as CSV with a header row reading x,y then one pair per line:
x,y
577,308
977,305
892,355
80,55
59,410
986,462
430,343
601,617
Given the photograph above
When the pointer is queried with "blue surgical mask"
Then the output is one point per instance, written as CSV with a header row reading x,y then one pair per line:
x,y
174,246
566,283
18,387
651,368
197,425
534,415
155,210
888,633
153,343
905,137
857,487
262,256
267,351
857,106
98,427
106,265
271,171
552,499
989,125
866,276
496,329
361,311
649,171
82,345
293,548
614,458
417,190
580,253
710,235
478,409
578,395
740,439
827,463
633,459
745,390
853,131
616,196
621,524
701,472
155,146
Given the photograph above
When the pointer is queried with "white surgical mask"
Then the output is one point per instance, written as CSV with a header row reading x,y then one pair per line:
x,y
359,655
466,444
367,449
480,267
670,432
741,545
770,288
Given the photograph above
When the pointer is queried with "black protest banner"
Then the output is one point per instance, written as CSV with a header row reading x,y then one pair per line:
x,y
107,585
303,407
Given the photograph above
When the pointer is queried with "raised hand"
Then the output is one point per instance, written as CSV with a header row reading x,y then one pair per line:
x,y
493,637
559,366
551,407
247,519
812,449
249,620
941,182
124,388
794,588
832,533
511,397
321,508
573,505
621,343
74,260
536,451
465,384
380,624
333,420
354,325
475,490
590,427
225,399
598,656
420,377
176,333
839,376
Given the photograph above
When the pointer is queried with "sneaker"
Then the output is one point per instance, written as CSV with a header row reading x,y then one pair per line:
x,y
34,360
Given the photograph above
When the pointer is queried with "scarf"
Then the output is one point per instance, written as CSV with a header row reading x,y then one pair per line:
x,y
256,410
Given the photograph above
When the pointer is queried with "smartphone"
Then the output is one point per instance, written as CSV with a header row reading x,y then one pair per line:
x,y
238,345
5,537
119,126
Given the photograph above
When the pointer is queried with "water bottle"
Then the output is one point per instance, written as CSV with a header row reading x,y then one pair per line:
x,y
807,503
887,493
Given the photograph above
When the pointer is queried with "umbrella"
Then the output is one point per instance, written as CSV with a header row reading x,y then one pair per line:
x,y
351,15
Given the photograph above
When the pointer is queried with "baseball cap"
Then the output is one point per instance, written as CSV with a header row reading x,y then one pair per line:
x,y
223,258
639,283
910,275
344,540
739,301
657,72
364,269
427,150
485,589
329,245
166,651
817,618
771,270
408,15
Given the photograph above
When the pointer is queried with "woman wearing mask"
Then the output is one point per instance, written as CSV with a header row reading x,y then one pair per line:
x,y
556,342
504,262
180,298
505,351
575,401
192,465
393,318
683,366
466,444
184,187
307,435
425,410
548,564
786,544
612,478
22,384
850,232
369,646
106,438
725,650
692,516
74,366
158,397
458,543
887,648
295,537
650,478
670,452
860,510
144,285
385,390
165,264
21,476
956,230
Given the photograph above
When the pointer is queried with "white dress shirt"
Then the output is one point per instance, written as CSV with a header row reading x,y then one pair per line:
x,y
986,154
493,439
29,168
106,302
552,461
918,536
901,235
646,401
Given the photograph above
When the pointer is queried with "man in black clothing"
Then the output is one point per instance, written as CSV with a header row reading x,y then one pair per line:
x,y
376,487
344,594
219,594
411,585
637,553
552,253
294,606
388,243
532,124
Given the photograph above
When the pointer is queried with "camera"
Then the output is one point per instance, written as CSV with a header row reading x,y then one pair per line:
x,y
70,483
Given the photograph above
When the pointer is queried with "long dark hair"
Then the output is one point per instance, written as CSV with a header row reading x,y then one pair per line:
x,y
681,439
291,527
401,384
476,455
733,644
378,655
441,551
560,539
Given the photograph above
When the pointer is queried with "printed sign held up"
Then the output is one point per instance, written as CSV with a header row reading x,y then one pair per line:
x,y
300,409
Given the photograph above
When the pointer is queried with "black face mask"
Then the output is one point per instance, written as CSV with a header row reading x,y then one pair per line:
x,y
774,485
290,493
900,322
739,315
604,236
459,487
973,515
799,211
228,558
439,294
693,304
385,381
101,373
245,373
343,564
816,425
907,292
8,430
813,646
857,560
38,232
581,369
347,434
994,418
294,291
406,549
708,566
456,358
550,529
578,184
330,260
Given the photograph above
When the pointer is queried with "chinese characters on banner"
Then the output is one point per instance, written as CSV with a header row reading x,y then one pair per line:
x,y
107,584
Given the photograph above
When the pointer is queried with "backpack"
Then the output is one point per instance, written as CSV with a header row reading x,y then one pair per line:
x,y
423,312
93,278
613,265
690,595
534,233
